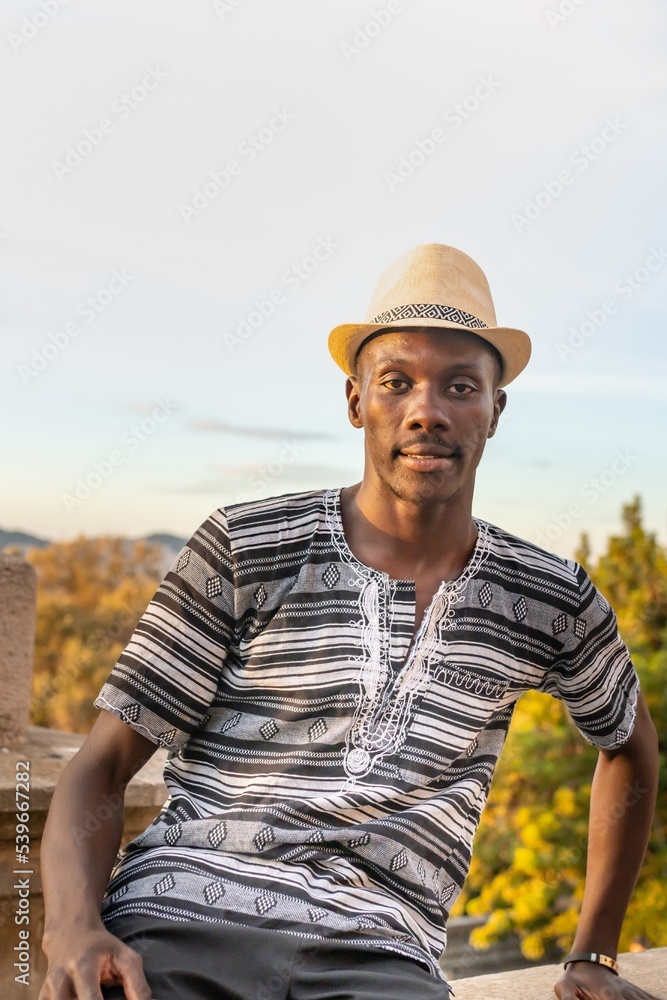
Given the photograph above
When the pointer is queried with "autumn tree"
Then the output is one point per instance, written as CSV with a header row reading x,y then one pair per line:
x,y
528,868
91,594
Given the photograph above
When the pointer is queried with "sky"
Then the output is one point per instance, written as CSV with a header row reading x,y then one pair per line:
x,y
170,170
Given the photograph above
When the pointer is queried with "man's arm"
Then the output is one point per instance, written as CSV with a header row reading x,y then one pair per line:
x,y
76,866
622,804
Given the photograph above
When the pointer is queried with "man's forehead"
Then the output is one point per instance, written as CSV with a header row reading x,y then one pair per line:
x,y
408,346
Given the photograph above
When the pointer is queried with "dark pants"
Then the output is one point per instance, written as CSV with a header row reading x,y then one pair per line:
x,y
195,960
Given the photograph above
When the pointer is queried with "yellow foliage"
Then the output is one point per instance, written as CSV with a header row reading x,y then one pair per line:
x,y
91,594
530,902
525,861
532,836
496,926
532,946
564,803
530,852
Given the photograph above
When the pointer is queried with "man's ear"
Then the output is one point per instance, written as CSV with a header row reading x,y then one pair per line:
x,y
499,404
352,391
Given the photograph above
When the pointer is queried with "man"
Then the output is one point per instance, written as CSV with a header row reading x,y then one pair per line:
x,y
334,673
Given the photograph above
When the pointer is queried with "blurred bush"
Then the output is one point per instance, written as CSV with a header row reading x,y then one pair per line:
x,y
529,860
91,594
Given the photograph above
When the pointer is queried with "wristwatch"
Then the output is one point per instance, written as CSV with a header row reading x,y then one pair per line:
x,y
592,956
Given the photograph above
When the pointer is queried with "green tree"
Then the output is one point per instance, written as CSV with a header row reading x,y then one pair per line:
x,y
527,874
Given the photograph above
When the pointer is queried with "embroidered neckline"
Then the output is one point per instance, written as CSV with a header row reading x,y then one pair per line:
x,y
385,701
335,524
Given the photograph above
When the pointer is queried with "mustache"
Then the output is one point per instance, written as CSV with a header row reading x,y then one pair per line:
x,y
454,450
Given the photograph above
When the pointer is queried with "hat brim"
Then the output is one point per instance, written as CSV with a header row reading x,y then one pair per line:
x,y
514,346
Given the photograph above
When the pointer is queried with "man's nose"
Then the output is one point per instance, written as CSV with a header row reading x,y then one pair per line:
x,y
427,409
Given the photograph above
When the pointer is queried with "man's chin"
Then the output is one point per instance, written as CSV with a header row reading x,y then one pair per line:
x,y
424,488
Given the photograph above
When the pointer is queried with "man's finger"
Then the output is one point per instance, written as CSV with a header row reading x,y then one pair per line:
x,y
129,967
631,992
56,986
643,995
86,981
619,989
564,992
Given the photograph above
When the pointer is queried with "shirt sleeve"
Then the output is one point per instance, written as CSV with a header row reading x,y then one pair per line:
x,y
594,674
167,675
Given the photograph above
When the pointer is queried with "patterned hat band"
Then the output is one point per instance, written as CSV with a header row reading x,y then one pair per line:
x,y
410,293
430,310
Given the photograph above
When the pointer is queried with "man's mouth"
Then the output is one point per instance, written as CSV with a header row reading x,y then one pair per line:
x,y
427,452
427,458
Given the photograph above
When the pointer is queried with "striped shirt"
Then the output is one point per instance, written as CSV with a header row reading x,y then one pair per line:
x,y
326,770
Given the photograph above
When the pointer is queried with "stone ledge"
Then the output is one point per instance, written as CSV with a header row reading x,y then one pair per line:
x,y
49,751
18,601
646,969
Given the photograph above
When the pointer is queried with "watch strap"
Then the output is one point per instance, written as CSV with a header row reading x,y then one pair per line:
x,y
592,956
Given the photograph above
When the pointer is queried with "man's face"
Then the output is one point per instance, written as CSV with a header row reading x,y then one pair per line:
x,y
427,400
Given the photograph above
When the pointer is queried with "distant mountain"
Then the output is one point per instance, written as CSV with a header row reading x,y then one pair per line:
x,y
172,542
22,540
171,545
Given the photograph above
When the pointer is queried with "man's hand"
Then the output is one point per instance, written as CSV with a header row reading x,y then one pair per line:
x,y
79,961
588,981
622,803
76,865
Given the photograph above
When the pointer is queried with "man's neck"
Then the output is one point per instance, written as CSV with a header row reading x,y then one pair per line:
x,y
407,539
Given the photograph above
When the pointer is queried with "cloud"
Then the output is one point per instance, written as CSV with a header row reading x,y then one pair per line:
x,y
259,480
267,433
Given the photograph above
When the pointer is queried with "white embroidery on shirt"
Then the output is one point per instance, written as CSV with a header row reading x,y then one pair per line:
x,y
384,707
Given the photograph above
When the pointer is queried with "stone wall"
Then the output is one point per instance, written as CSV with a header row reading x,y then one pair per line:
x,y
646,969
47,752
18,599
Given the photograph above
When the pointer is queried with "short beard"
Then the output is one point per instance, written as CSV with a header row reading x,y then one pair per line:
x,y
424,494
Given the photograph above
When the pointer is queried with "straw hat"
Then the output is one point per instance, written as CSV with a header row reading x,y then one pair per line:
x,y
433,285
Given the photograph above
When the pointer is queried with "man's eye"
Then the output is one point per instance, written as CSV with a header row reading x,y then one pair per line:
x,y
394,383
462,388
